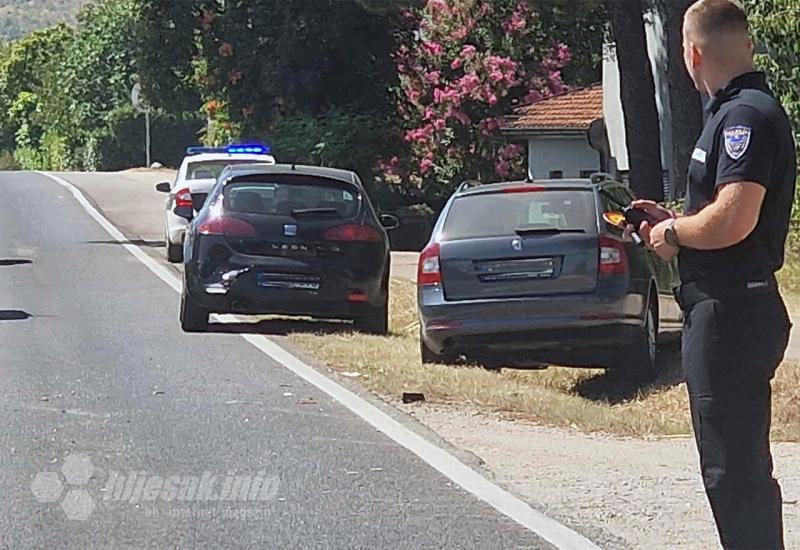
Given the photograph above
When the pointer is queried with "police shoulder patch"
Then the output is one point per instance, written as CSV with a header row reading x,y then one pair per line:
x,y
737,140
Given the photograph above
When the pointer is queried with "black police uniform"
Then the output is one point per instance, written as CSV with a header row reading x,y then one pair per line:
x,y
736,325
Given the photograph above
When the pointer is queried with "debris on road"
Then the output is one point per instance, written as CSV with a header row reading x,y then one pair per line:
x,y
413,397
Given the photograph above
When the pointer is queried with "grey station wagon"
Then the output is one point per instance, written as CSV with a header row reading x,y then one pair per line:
x,y
530,273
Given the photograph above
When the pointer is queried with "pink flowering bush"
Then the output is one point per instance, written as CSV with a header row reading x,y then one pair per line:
x,y
463,65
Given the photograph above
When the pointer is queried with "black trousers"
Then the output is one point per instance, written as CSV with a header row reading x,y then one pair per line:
x,y
732,346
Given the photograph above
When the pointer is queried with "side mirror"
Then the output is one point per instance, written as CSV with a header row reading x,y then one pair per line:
x,y
184,212
163,187
389,221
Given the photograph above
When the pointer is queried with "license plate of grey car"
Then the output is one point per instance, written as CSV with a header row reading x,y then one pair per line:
x,y
507,270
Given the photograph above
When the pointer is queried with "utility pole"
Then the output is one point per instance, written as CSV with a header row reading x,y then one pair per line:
x,y
141,106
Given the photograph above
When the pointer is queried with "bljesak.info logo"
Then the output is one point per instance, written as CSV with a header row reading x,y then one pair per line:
x,y
69,487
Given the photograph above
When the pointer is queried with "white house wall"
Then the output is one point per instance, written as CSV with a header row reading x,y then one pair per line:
x,y
569,154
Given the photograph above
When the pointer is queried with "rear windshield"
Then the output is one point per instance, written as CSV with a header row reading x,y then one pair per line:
x,y
210,169
500,214
292,196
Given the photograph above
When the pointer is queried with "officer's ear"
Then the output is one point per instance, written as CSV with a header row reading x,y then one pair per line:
x,y
696,55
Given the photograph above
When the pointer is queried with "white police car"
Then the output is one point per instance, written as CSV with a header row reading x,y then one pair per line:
x,y
197,175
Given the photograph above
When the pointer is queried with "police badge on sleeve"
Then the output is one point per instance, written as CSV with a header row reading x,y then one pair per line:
x,y
737,140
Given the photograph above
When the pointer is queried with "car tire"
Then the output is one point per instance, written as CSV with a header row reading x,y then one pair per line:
x,y
193,317
174,252
640,360
374,321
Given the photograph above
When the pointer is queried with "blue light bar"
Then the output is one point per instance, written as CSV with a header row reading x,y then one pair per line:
x,y
254,149
249,149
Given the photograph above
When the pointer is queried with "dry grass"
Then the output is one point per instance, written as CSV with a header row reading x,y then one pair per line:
x,y
789,276
588,400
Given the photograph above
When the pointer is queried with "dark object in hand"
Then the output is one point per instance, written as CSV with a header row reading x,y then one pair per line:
x,y
635,217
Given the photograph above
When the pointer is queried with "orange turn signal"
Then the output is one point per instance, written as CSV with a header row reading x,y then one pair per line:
x,y
616,219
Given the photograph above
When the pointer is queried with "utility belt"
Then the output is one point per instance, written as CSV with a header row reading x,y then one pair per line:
x,y
689,294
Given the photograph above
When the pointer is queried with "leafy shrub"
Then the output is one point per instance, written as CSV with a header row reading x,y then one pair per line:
x,y
122,144
55,152
339,138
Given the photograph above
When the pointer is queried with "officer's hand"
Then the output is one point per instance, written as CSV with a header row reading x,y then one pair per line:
x,y
657,241
655,210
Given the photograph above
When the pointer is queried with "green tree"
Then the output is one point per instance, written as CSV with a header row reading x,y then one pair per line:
x,y
264,58
98,70
776,28
25,66
168,39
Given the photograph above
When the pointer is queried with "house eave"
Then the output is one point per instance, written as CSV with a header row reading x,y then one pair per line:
x,y
544,131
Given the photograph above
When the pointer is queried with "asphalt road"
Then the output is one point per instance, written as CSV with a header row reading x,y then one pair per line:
x,y
112,416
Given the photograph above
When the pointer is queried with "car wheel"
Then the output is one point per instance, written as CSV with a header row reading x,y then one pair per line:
x,y
640,361
374,321
193,317
174,252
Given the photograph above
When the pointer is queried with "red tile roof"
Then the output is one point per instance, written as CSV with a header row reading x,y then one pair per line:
x,y
573,110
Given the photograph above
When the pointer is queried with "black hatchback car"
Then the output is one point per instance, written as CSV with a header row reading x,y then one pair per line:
x,y
531,272
287,240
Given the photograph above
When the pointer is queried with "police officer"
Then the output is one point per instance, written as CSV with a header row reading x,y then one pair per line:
x,y
729,244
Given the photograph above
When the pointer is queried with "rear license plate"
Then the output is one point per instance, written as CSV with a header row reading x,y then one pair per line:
x,y
511,270
290,282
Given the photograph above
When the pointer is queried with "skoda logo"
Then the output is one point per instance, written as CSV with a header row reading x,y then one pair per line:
x,y
516,244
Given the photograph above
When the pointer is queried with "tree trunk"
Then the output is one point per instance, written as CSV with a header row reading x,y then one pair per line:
x,y
637,87
684,99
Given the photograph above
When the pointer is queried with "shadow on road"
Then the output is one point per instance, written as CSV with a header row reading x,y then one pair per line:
x,y
137,242
612,386
12,262
13,315
280,327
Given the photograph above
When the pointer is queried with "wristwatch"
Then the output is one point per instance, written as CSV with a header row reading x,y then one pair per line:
x,y
670,235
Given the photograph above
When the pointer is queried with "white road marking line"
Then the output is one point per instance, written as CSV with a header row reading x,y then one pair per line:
x,y
468,479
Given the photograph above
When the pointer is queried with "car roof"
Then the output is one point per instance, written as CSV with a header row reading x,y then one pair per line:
x,y
241,170
211,157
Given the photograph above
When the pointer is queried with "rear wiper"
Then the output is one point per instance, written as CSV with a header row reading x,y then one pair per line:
x,y
316,212
547,230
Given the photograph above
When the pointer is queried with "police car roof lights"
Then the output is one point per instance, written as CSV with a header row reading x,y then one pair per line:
x,y
243,149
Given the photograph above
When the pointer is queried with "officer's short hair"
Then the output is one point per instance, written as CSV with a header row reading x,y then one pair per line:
x,y
706,19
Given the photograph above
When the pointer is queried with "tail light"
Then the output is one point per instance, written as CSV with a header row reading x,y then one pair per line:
x,y
353,233
357,297
613,257
230,227
429,271
183,197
